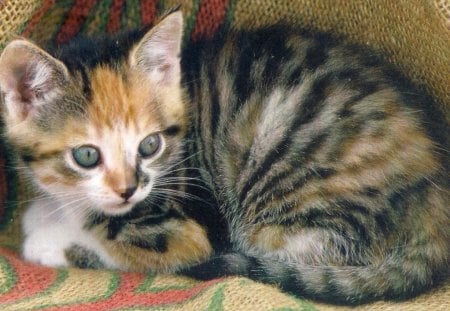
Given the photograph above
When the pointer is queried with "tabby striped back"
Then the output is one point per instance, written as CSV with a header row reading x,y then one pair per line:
x,y
329,166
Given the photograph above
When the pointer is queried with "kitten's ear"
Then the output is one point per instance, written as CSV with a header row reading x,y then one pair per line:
x,y
29,77
157,54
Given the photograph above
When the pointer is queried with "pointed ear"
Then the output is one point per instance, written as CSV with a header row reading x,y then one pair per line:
x,y
29,77
158,53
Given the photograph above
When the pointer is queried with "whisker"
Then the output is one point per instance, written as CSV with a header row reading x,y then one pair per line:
x,y
183,160
181,194
67,204
45,196
182,184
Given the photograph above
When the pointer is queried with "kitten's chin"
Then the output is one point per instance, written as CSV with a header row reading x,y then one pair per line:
x,y
117,209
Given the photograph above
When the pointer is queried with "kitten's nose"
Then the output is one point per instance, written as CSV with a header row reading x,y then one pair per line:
x,y
128,193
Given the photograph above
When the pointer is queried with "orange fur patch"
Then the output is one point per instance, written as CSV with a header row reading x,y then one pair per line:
x,y
120,179
187,243
114,99
269,238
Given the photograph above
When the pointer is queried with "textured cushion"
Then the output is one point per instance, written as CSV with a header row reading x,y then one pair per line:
x,y
413,34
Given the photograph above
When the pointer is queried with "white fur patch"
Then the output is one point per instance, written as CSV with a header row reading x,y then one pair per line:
x,y
42,75
49,232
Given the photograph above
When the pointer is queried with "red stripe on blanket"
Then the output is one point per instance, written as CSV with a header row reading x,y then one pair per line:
x,y
115,14
36,18
210,16
30,279
148,11
126,297
74,20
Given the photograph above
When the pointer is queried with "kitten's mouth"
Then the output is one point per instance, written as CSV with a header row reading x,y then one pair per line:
x,y
118,209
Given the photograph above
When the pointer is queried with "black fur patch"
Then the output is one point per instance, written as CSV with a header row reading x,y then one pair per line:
x,y
81,257
220,266
157,243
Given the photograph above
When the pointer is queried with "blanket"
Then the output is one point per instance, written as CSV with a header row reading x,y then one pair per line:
x,y
412,34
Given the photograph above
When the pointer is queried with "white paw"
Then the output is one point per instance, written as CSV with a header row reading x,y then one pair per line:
x,y
46,247
48,233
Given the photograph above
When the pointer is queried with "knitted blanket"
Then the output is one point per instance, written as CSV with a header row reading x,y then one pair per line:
x,y
413,34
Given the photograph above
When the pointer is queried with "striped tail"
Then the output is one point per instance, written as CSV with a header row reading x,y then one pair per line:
x,y
337,284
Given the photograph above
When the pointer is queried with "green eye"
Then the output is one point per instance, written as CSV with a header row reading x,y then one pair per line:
x,y
86,156
149,145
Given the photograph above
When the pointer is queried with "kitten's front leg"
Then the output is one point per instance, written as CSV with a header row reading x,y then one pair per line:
x,y
162,245
82,257
51,237
47,234
46,245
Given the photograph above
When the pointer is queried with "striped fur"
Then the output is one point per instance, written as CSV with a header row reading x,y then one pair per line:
x,y
330,170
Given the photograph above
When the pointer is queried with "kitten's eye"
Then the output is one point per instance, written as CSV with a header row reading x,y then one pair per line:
x,y
149,145
86,156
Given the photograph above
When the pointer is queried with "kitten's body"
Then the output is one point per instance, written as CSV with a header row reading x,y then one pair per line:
x,y
330,168
330,175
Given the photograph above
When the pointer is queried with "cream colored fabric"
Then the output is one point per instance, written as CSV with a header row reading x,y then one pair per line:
x,y
413,33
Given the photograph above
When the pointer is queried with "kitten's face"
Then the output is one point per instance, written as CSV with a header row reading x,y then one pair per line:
x,y
107,150
112,157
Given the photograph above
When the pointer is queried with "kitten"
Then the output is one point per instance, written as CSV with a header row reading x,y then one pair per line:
x,y
329,168
99,124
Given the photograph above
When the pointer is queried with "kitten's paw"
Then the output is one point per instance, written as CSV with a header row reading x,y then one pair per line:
x,y
83,258
46,248
46,255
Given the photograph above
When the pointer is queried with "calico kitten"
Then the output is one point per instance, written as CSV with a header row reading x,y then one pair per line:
x,y
328,167
99,125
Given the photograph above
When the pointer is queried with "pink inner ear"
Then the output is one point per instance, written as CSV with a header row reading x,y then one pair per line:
x,y
27,74
23,86
20,84
17,83
158,52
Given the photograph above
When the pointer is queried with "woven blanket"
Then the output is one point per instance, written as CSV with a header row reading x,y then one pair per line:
x,y
412,34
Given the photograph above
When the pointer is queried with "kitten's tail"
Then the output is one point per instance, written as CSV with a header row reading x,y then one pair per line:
x,y
339,284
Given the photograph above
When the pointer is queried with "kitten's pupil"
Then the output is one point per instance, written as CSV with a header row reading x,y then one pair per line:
x,y
149,145
86,156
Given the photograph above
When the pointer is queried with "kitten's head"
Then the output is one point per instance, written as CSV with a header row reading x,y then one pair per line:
x,y
97,135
